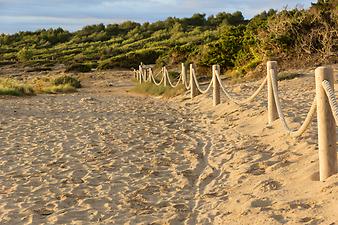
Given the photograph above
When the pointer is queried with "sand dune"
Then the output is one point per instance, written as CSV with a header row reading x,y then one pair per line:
x,y
104,156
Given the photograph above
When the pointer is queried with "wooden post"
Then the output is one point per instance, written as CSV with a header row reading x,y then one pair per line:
x,y
326,125
216,85
272,109
140,77
146,72
184,74
165,76
140,72
150,74
193,88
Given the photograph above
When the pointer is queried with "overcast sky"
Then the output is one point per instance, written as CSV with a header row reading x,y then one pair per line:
x,y
24,15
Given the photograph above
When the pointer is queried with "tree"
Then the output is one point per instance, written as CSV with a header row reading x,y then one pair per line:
x,y
198,19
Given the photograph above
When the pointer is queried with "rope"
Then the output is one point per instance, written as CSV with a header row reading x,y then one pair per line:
x,y
144,76
168,78
244,101
187,86
198,86
154,80
332,99
309,116
157,73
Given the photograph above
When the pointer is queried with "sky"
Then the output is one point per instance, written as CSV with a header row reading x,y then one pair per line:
x,y
30,15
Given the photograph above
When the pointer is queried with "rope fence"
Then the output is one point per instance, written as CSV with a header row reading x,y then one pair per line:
x,y
324,103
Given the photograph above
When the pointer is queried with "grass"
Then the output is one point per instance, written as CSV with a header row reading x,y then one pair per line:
x,y
14,87
55,85
10,91
48,85
55,89
152,89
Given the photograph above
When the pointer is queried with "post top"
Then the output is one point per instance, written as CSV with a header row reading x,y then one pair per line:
x,y
323,67
271,65
323,71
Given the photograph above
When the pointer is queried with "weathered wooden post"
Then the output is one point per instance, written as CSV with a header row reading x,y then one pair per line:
x,y
216,85
140,77
134,74
150,75
164,76
193,88
326,125
272,109
147,75
184,74
140,73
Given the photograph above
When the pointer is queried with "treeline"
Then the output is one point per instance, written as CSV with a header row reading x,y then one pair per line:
x,y
226,38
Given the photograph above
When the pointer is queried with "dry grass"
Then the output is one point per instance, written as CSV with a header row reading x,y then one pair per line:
x,y
152,89
55,89
48,85
54,85
14,87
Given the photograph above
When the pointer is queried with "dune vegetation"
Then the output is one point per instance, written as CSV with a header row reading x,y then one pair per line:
x,y
14,87
295,37
49,85
161,90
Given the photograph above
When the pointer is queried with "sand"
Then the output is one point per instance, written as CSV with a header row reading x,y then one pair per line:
x,y
108,156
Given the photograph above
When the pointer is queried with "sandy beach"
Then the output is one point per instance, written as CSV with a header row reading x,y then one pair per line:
x,y
104,155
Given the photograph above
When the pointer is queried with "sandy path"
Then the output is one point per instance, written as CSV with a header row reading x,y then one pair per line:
x,y
102,156
93,157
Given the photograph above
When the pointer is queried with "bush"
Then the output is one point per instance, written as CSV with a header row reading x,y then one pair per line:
x,y
78,67
132,59
67,80
25,54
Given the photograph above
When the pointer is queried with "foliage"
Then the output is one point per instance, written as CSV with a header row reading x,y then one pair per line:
x,y
78,67
67,80
25,54
131,59
295,35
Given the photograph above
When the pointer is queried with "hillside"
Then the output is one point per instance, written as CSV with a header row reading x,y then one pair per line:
x,y
301,36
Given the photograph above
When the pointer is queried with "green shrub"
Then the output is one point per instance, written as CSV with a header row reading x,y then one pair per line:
x,y
67,80
24,54
132,59
79,67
